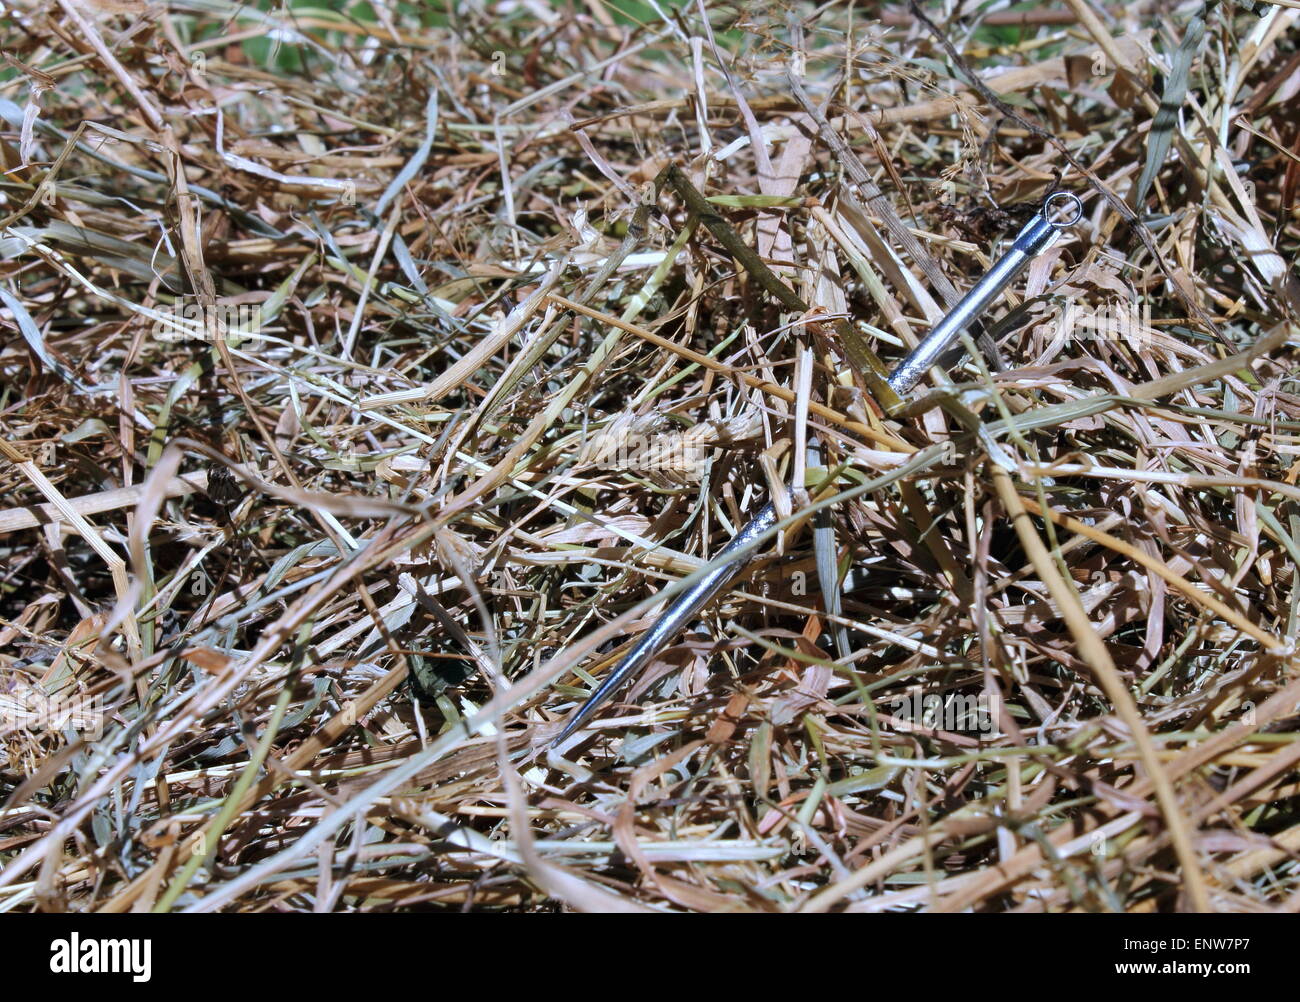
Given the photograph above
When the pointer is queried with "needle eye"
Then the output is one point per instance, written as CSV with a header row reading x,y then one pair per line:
x,y
1062,209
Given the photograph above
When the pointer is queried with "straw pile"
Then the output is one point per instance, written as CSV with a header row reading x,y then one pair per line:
x,y
366,374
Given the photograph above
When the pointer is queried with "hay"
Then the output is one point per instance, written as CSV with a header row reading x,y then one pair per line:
x,y
368,375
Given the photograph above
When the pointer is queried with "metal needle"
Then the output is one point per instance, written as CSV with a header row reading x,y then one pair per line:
x,y
1035,237
677,615
1059,210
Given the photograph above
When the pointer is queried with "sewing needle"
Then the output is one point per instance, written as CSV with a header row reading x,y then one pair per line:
x,y
1059,210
